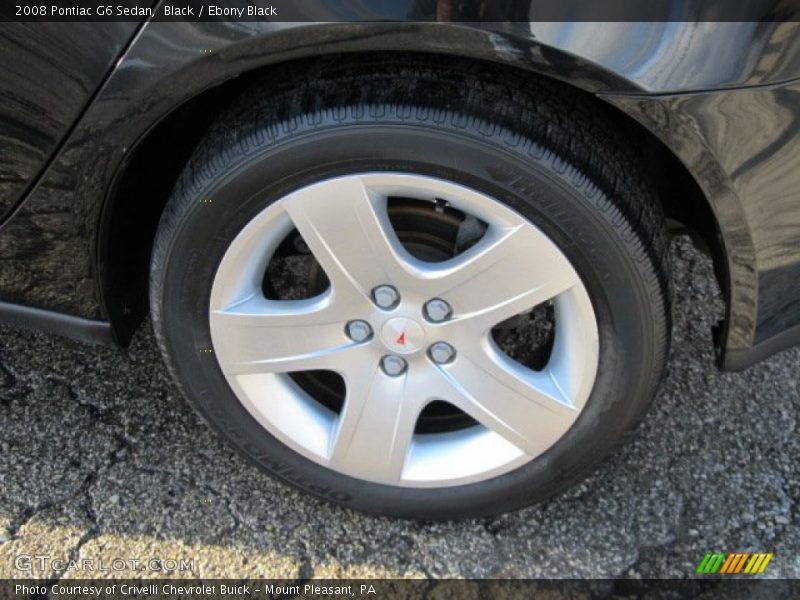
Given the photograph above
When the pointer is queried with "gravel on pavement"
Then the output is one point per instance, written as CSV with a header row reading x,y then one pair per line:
x,y
102,459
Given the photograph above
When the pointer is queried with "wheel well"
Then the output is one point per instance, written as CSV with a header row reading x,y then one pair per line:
x,y
142,187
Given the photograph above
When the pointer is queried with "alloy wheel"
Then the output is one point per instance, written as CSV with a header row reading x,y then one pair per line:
x,y
402,333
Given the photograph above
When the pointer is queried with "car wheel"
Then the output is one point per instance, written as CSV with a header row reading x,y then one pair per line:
x,y
415,292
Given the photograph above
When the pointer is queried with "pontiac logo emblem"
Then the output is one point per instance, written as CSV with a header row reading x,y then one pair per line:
x,y
402,335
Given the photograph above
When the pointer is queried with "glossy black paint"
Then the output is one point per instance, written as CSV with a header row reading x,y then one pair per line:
x,y
49,73
744,149
738,141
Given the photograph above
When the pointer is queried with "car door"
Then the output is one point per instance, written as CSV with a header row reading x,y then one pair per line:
x,y
48,74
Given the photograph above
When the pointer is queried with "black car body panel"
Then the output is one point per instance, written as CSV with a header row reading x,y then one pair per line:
x,y
723,97
744,148
49,73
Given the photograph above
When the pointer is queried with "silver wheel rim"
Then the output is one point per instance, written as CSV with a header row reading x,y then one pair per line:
x,y
512,268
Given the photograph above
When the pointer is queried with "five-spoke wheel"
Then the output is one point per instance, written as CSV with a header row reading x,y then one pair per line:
x,y
402,333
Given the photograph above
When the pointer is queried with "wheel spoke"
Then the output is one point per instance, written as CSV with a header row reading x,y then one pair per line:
x,y
376,426
263,336
511,270
347,228
524,407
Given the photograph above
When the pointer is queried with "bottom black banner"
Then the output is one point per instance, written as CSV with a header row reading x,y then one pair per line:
x,y
366,589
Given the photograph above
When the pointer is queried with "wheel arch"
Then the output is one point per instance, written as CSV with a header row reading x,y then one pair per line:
x,y
128,225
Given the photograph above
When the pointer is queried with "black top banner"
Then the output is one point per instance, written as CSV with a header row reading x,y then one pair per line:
x,y
401,10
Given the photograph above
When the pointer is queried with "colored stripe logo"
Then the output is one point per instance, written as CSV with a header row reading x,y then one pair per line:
x,y
735,563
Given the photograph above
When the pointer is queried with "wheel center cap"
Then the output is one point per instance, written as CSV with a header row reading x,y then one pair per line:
x,y
403,335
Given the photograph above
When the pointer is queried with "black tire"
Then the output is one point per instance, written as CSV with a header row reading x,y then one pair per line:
x,y
538,146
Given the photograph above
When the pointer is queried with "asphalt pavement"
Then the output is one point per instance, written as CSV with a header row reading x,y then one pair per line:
x,y
102,460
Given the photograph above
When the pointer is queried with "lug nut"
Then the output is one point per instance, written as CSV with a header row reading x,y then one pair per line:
x,y
393,365
441,352
386,296
437,310
358,331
